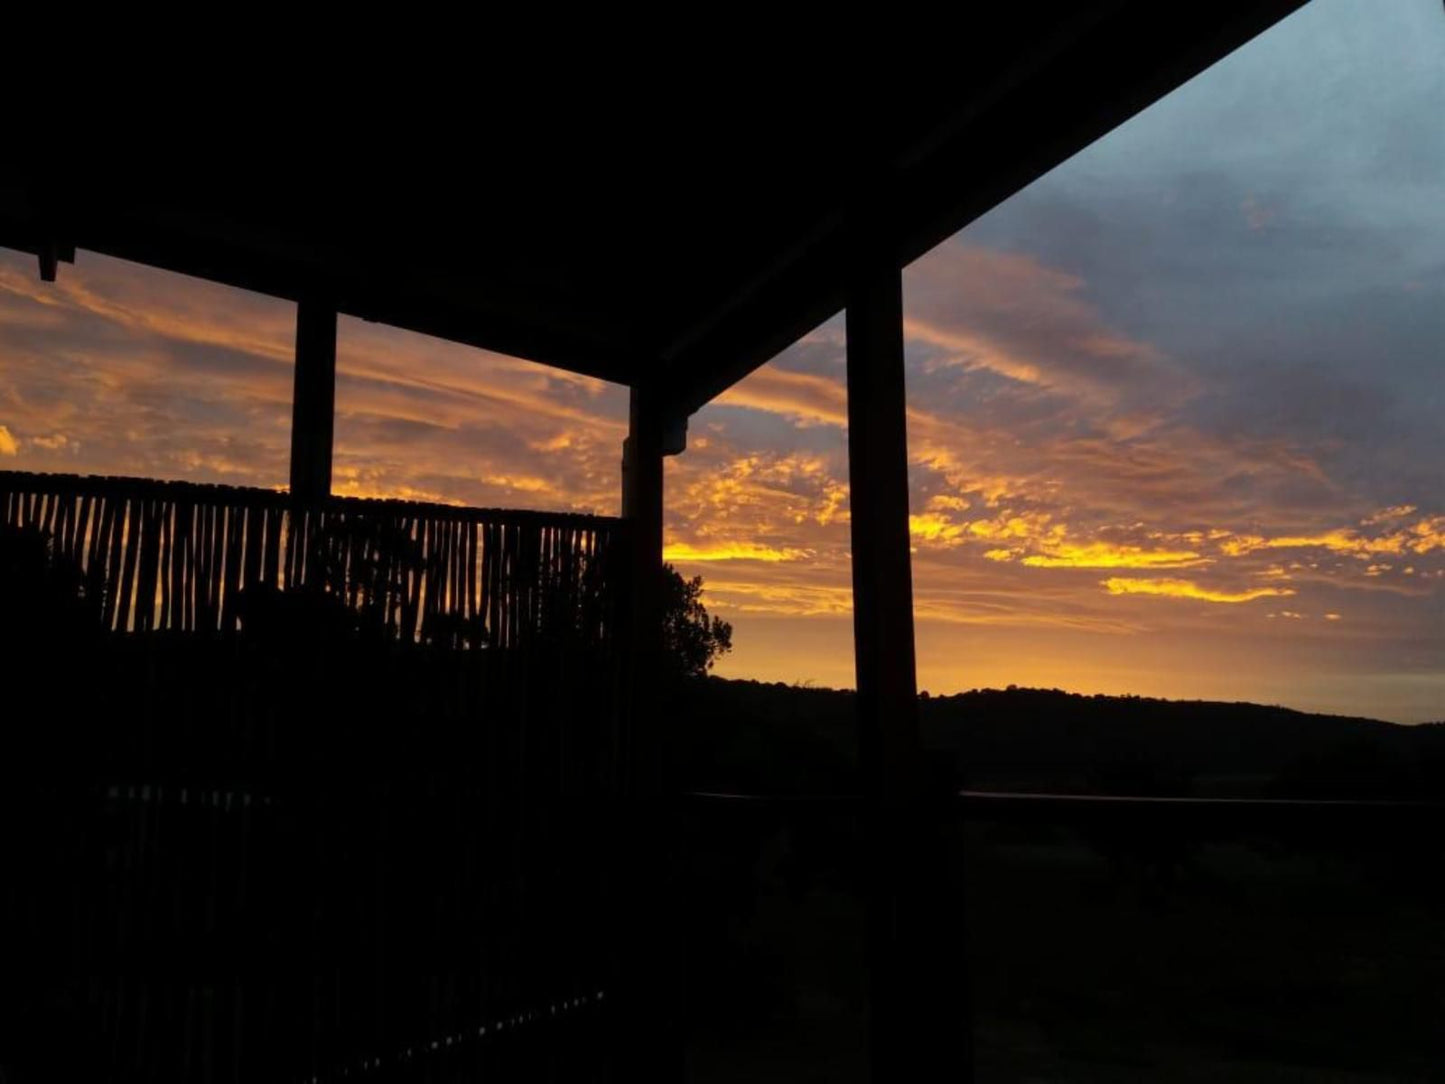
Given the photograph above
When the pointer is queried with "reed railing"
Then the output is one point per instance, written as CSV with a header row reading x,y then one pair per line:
x,y
156,555
303,792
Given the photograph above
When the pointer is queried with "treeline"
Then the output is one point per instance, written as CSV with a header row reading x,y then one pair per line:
x,y
775,738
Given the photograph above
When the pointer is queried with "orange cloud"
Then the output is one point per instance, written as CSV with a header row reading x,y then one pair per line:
x,y
8,444
126,295
807,398
778,599
1010,314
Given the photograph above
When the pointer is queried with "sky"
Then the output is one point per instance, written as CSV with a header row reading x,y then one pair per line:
x,y
1175,409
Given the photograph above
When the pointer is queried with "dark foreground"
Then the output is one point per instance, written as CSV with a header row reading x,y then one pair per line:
x,y
1157,947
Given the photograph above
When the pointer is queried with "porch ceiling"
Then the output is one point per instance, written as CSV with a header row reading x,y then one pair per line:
x,y
675,219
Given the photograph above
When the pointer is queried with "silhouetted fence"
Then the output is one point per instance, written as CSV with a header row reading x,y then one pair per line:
x,y
303,792
187,557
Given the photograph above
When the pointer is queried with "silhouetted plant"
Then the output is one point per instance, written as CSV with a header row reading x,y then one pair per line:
x,y
41,591
366,562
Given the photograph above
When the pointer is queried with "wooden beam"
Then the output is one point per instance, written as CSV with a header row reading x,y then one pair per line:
x,y
313,404
918,1020
1128,53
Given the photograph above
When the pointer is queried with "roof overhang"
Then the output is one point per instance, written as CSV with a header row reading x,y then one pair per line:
x,y
666,221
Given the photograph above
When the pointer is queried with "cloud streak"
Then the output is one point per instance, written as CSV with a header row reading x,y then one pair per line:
x,y
1188,589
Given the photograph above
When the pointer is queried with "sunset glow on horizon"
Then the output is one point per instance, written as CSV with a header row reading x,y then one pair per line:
x,y
1175,410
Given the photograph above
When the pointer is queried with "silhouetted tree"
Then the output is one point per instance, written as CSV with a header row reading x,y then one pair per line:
x,y
692,639
43,594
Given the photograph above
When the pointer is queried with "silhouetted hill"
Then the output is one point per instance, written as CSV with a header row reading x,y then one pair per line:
x,y
774,738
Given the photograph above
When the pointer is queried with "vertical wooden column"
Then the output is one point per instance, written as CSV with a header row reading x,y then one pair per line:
x,y
642,501
918,1026
882,567
313,404
649,979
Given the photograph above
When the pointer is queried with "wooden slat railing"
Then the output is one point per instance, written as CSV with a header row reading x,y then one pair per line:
x,y
202,558
260,827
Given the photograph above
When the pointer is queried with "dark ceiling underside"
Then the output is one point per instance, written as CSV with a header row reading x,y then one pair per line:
x,y
638,219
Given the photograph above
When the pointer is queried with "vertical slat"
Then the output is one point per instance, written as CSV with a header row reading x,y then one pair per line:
x,y
235,539
127,536
516,598
252,533
60,531
217,517
389,558
147,562
184,559
80,545
97,586
43,504
201,568
484,580
496,604
382,555
432,587
275,529
447,604
415,587
295,537
167,569
472,608
459,571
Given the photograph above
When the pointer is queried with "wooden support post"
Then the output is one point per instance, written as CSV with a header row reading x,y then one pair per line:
x,y
918,1025
650,982
882,568
313,404
642,499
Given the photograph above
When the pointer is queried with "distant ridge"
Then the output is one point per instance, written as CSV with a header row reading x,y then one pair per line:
x,y
780,738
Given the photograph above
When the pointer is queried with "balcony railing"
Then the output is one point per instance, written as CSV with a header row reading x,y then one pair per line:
x,y
304,786
180,556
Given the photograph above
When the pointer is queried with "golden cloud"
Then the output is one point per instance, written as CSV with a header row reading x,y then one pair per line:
x,y
1171,588
938,529
1424,536
732,551
1039,542
1112,555
8,444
